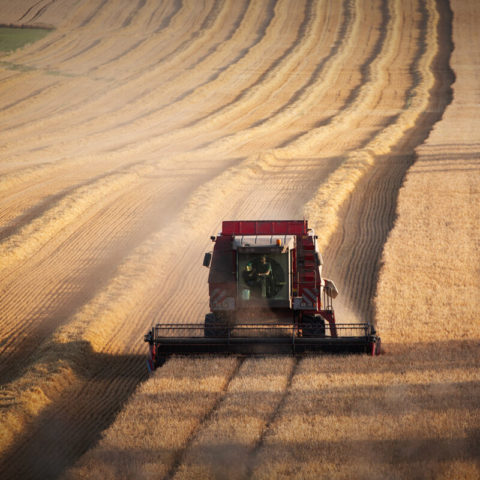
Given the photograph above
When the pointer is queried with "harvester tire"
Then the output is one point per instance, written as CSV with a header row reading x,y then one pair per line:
x,y
313,326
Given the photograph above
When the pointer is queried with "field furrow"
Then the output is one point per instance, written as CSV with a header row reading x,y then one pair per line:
x,y
373,204
137,89
142,122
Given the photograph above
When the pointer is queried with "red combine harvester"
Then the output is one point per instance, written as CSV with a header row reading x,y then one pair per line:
x,y
267,295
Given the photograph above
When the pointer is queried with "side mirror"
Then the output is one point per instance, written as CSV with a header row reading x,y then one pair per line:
x,y
318,258
207,259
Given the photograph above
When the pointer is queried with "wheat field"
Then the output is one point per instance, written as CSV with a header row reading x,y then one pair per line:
x,y
132,129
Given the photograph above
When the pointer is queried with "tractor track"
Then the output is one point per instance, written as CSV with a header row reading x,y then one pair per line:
x,y
255,452
179,456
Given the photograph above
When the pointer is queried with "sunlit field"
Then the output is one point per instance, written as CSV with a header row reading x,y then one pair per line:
x,y
132,129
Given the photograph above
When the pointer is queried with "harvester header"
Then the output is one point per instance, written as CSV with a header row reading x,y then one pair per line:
x,y
267,295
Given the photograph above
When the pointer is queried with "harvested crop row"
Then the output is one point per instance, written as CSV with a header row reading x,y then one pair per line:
x,y
369,214
47,96
38,232
70,269
110,87
143,122
323,208
193,17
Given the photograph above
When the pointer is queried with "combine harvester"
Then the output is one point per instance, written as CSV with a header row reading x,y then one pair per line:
x,y
267,296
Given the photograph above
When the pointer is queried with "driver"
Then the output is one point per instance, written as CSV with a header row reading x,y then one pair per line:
x,y
264,271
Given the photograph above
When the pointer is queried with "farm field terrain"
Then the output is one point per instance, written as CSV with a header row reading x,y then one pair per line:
x,y
131,130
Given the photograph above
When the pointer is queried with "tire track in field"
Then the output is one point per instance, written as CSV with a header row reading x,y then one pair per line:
x,y
27,12
94,16
238,421
181,454
43,9
72,22
272,419
69,26
139,7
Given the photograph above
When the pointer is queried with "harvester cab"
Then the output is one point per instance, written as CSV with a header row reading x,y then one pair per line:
x,y
267,295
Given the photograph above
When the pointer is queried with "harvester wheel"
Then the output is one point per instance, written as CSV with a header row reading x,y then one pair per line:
x,y
212,328
313,326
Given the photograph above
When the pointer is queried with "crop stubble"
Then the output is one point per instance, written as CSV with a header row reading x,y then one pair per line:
x,y
215,123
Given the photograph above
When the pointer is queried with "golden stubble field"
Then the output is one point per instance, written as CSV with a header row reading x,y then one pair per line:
x,y
131,130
